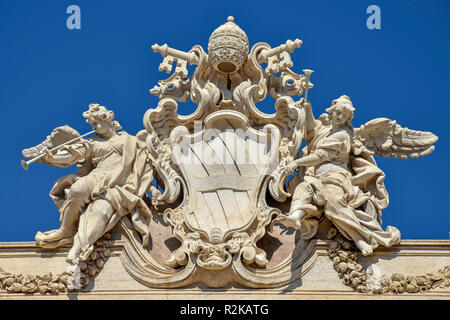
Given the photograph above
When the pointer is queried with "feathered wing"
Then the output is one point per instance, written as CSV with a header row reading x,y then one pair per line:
x,y
386,138
58,136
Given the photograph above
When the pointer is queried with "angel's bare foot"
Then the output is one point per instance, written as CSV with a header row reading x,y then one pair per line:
x,y
293,220
53,235
72,259
40,242
86,253
41,237
365,248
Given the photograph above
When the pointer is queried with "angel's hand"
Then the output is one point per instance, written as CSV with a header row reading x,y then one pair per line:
x,y
48,156
156,195
304,104
289,169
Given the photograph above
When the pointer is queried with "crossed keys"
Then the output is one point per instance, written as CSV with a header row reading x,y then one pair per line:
x,y
171,55
279,58
167,65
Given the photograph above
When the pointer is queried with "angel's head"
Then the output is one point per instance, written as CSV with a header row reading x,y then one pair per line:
x,y
101,119
341,111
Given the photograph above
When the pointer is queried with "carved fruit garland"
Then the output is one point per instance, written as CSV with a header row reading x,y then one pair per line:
x,y
62,282
345,262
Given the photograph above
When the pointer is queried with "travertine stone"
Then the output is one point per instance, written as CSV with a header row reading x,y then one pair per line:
x,y
320,282
340,179
202,199
112,180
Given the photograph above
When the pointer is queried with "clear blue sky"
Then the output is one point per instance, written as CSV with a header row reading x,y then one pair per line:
x,y
49,74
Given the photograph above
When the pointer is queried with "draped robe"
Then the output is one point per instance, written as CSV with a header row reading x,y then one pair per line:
x,y
117,170
349,189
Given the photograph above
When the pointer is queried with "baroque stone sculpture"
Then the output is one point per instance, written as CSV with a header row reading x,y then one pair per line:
x,y
227,173
113,177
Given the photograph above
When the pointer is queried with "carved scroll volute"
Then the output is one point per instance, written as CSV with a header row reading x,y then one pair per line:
x,y
293,118
159,123
254,69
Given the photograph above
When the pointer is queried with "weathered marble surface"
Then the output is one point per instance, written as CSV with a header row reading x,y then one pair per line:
x,y
217,179
414,257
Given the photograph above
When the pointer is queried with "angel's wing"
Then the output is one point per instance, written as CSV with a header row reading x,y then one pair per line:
x,y
388,139
58,136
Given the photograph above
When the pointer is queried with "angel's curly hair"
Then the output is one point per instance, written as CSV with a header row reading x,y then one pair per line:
x,y
344,102
98,112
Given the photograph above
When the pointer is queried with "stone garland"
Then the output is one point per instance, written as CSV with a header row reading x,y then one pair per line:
x,y
345,261
341,251
75,278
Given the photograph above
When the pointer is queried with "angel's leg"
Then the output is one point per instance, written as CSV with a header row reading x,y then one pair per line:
x,y
77,197
93,224
301,199
344,218
71,212
74,252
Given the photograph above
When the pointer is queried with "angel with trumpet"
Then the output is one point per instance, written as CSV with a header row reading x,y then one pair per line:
x,y
115,172
338,177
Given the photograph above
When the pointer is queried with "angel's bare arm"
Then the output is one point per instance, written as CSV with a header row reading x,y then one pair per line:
x,y
67,155
314,159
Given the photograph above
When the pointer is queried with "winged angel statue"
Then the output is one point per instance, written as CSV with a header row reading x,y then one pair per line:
x,y
114,174
339,177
